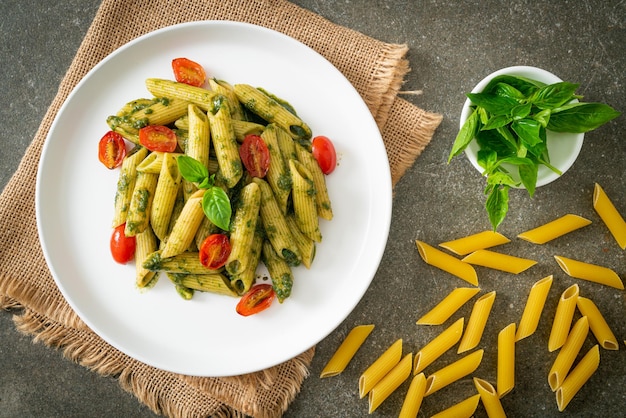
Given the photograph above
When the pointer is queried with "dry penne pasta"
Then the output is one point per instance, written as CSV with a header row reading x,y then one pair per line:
x,y
390,382
453,372
446,262
609,215
567,354
505,380
414,397
585,368
463,409
554,229
478,241
563,318
499,261
533,308
439,345
379,368
346,351
489,398
597,323
477,321
448,306
590,272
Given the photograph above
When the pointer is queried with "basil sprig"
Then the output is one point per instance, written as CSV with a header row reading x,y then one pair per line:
x,y
509,121
215,201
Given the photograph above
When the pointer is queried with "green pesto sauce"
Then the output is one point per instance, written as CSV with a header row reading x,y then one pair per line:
x,y
284,182
143,198
290,258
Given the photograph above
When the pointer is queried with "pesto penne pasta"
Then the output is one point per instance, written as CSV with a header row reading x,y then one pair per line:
x,y
126,184
202,98
242,229
198,143
152,163
187,262
223,88
165,195
322,200
146,244
279,270
272,111
244,128
243,280
277,175
138,216
186,225
214,283
303,195
225,144
305,244
205,229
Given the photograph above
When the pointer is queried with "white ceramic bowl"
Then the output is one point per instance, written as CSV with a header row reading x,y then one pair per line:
x,y
563,148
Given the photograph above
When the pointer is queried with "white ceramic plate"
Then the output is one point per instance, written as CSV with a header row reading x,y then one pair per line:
x,y
204,336
563,148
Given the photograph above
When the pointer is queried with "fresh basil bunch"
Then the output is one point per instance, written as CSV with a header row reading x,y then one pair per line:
x,y
509,120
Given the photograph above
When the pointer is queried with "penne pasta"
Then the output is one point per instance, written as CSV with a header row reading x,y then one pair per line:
x,y
414,397
448,306
346,351
390,382
489,398
597,323
303,196
379,368
589,272
533,308
225,89
568,353
138,216
446,262
609,215
199,96
477,321
453,372
243,281
471,243
305,245
225,144
322,200
554,229
145,244
463,409
187,262
184,230
499,261
505,380
438,346
165,195
279,271
211,282
126,184
585,368
278,175
198,143
243,228
563,318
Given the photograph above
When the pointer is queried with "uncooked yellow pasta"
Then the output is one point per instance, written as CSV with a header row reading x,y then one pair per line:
x,y
609,215
568,353
563,318
448,306
346,351
379,368
414,397
505,380
478,241
590,272
599,327
390,382
463,409
499,261
554,229
477,321
585,368
439,345
489,398
446,262
533,308
453,372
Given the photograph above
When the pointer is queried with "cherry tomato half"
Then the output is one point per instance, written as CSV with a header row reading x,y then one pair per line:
x,y
214,251
158,138
111,150
255,155
324,152
188,72
122,247
257,299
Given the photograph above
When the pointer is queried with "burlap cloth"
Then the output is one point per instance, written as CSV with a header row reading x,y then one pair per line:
x,y
376,69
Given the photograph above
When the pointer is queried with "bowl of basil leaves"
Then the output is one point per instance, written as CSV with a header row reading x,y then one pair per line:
x,y
523,127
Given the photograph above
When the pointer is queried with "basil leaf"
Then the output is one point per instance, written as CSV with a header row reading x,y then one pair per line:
x,y
465,136
497,122
494,140
525,85
497,205
521,111
487,159
506,90
543,117
554,95
216,206
528,131
191,169
497,105
581,117
528,176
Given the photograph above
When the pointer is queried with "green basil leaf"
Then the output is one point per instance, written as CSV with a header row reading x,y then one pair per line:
x,y
501,178
521,111
554,95
528,176
524,85
497,205
487,159
465,136
507,90
543,117
497,122
494,140
516,161
528,131
581,117
492,103
191,169
216,206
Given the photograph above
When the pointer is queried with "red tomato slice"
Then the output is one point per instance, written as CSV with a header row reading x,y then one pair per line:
x,y
214,251
188,72
122,247
324,152
258,298
255,155
111,150
158,138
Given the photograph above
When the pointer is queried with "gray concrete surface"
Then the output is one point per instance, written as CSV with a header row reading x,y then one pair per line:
x,y
452,46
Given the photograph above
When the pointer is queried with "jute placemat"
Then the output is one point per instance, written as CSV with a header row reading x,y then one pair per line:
x,y
375,68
